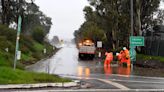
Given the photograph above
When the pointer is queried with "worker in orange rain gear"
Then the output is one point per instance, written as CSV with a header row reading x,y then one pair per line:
x,y
108,59
126,56
119,57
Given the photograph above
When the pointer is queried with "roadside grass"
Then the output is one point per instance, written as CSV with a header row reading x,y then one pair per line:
x,y
38,46
3,59
26,57
31,52
10,76
148,57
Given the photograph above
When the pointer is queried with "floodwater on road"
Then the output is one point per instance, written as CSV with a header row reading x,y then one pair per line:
x,y
66,62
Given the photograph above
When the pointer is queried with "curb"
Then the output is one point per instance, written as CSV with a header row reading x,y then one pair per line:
x,y
39,85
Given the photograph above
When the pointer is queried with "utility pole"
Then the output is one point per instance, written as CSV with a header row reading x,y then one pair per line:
x,y
17,52
17,40
131,11
18,35
132,48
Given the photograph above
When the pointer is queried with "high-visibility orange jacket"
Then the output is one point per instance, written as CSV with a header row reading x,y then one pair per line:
x,y
126,57
109,58
127,53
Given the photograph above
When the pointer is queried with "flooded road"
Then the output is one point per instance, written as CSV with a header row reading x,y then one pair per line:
x,y
66,62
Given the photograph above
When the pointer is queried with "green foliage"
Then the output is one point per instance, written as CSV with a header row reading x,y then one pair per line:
x,y
148,57
9,33
10,76
38,34
92,31
39,47
2,60
31,50
49,48
113,17
30,13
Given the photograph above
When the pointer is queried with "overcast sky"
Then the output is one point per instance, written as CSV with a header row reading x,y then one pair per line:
x,y
162,5
67,15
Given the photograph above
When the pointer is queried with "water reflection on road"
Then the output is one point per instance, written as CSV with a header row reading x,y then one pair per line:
x,y
65,62
94,67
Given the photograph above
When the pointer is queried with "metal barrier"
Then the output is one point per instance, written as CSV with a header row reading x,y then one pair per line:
x,y
154,46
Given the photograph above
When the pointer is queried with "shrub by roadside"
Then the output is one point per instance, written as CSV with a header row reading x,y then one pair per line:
x,y
149,61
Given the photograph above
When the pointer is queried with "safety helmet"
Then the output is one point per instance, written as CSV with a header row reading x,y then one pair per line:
x,y
124,48
117,54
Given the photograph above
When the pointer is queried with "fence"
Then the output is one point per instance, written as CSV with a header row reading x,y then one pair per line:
x,y
154,45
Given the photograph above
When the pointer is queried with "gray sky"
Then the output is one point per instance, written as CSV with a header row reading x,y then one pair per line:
x,y
162,5
67,15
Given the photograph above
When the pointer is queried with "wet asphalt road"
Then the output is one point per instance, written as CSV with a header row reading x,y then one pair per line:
x,y
94,75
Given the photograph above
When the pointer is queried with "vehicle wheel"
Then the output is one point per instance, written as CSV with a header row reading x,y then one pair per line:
x,y
80,56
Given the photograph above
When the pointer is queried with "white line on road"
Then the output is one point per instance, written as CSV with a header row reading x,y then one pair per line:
x,y
135,76
114,84
120,86
148,82
96,90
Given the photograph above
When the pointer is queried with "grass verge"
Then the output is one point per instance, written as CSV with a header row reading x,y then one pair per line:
x,y
148,57
10,76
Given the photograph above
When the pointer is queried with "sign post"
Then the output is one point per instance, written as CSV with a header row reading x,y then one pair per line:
x,y
135,41
17,41
99,45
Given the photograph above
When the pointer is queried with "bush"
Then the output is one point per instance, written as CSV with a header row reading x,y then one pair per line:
x,y
10,34
148,57
27,44
38,34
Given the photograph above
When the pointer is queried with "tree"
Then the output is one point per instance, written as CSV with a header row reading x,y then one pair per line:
x,y
113,17
38,34
31,15
144,13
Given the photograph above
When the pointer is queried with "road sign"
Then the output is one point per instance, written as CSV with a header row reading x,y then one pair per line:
x,y
99,44
137,41
44,51
18,55
7,49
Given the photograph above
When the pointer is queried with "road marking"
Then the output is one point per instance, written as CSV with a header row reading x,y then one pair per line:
x,y
161,78
95,90
122,87
137,81
114,84
119,75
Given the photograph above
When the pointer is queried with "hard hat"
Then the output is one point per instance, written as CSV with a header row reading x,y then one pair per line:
x,y
124,48
117,54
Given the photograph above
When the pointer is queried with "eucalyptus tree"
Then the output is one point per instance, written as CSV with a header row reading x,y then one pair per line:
x,y
31,15
115,15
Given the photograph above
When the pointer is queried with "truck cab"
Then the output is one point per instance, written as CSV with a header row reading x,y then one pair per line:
x,y
86,50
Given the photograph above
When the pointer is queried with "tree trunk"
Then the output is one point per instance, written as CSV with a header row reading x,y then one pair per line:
x,y
5,11
138,17
114,41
